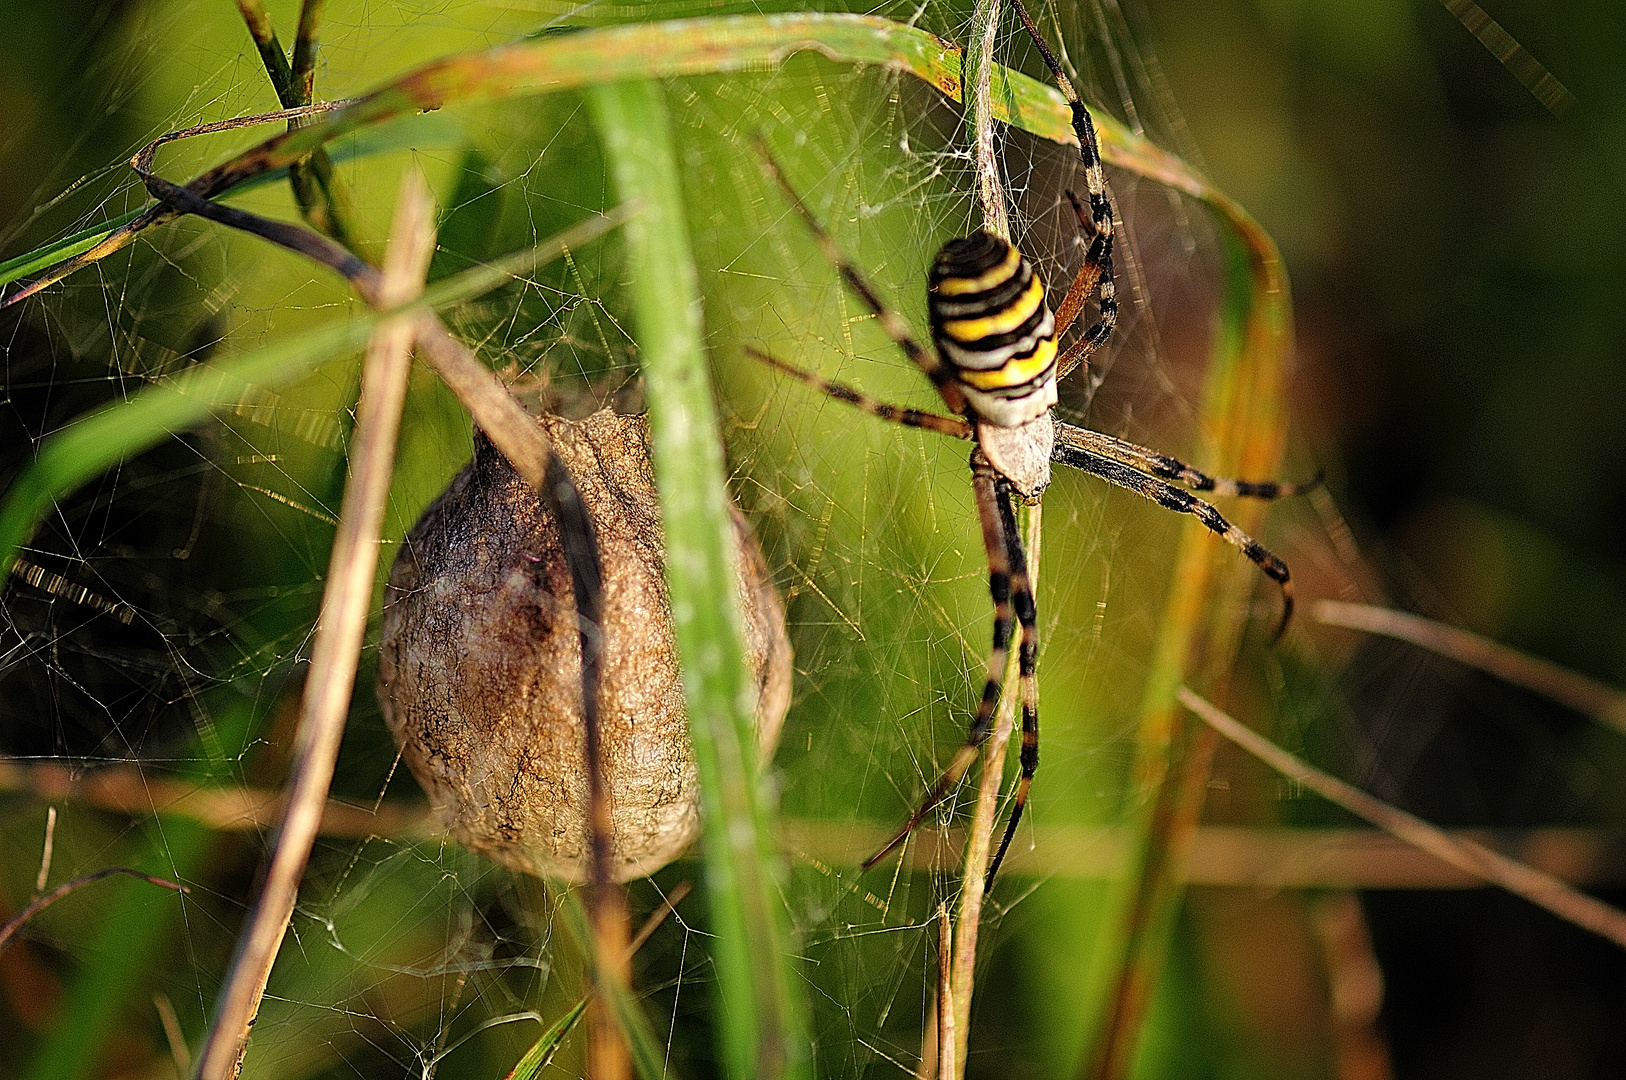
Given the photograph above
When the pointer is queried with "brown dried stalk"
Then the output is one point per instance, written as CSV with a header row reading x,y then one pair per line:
x,y
311,178
1233,856
343,619
954,992
1602,703
1541,889
946,1042
17,921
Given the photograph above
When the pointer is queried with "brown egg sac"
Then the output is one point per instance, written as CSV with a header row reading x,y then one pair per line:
x,y
479,669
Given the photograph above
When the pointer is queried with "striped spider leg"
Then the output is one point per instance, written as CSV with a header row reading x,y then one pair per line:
x,y
1147,473
995,368
1096,219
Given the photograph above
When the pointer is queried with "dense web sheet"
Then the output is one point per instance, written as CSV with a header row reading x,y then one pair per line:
x,y
161,617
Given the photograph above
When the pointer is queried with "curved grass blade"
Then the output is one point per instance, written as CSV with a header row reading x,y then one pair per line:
x,y
540,1055
692,47
1242,415
762,1017
78,243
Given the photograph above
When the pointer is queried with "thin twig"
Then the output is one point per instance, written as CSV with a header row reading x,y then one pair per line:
x,y
1541,889
271,54
1602,703
979,842
44,875
345,602
303,78
990,189
946,1068
8,931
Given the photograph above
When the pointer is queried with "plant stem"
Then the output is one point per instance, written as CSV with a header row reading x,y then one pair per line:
x,y
762,1015
1466,855
340,626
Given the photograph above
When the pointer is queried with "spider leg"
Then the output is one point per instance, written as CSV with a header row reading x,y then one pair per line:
x,y
1027,665
1165,467
1172,498
1088,276
943,425
1097,269
1098,219
941,375
991,512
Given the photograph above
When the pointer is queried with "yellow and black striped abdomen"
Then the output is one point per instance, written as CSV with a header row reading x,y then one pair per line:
x,y
992,326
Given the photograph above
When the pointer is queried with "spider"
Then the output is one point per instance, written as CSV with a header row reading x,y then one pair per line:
x,y
996,367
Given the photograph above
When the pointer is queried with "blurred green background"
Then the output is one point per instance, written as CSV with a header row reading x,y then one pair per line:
x,y
1458,280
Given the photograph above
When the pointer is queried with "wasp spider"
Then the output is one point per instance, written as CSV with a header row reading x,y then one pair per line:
x,y
996,367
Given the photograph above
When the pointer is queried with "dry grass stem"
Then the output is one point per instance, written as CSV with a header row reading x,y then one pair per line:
x,y
1602,703
1541,889
129,789
44,875
990,189
16,922
980,835
1231,856
946,1050
173,1035
340,626
957,982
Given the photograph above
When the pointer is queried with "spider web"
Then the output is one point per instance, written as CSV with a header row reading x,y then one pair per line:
x,y
162,620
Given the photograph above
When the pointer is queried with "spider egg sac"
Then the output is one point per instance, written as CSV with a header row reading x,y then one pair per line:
x,y
479,670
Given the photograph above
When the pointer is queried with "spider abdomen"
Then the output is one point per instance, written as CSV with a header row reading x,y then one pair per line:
x,y
992,326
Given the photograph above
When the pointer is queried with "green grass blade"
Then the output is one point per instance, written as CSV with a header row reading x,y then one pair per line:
x,y
65,248
658,50
541,1052
114,432
647,1053
708,46
761,1011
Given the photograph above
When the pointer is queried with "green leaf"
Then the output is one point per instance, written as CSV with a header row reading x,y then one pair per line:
x,y
541,1052
762,1021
